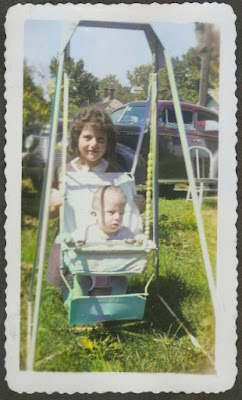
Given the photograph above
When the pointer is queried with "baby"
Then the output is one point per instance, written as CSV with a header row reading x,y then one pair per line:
x,y
108,207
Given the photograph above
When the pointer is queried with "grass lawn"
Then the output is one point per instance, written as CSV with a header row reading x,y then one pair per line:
x,y
158,343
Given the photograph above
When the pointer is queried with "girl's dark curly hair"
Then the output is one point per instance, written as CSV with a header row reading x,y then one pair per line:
x,y
102,123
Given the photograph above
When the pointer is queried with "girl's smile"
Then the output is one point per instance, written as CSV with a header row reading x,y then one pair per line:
x,y
92,145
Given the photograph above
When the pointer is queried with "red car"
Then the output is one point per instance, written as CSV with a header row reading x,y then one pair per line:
x,y
201,126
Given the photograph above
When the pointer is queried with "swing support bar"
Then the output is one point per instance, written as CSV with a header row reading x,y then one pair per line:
x,y
161,58
191,179
43,227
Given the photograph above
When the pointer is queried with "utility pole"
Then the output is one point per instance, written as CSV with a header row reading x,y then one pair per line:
x,y
205,51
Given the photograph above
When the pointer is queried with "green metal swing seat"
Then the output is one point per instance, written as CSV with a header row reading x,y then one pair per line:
x,y
93,309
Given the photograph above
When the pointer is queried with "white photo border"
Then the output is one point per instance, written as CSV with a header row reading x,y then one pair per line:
x,y
30,382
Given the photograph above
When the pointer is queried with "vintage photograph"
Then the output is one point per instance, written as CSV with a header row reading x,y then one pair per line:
x,y
120,190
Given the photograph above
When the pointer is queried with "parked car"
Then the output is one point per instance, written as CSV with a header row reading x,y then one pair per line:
x,y
201,126
35,156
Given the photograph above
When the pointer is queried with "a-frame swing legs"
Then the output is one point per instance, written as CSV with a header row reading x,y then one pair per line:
x,y
41,245
155,169
191,179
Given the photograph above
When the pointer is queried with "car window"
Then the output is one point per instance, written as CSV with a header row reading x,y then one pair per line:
x,y
129,115
167,118
207,122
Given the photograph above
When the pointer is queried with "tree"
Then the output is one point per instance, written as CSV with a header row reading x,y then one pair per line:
x,y
164,91
83,85
208,43
187,74
36,110
122,93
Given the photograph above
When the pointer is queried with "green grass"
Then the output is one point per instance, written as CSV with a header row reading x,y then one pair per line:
x,y
156,344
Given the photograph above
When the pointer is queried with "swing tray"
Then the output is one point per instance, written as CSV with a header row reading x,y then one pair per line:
x,y
106,259
111,246
111,264
94,309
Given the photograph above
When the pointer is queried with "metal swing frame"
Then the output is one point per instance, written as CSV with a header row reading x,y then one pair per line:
x,y
160,58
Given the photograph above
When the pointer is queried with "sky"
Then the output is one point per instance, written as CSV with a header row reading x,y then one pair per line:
x,y
104,51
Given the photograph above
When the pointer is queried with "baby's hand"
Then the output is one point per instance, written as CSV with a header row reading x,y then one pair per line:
x,y
80,243
129,241
139,201
141,239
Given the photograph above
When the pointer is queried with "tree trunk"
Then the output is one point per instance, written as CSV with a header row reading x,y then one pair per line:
x,y
203,89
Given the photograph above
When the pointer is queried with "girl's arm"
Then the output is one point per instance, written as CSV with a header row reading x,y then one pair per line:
x,y
55,203
55,196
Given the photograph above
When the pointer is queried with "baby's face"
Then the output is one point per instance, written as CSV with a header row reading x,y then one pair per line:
x,y
110,216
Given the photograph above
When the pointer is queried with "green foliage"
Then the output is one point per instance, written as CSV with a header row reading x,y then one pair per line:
x,y
36,110
164,91
122,93
187,74
82,84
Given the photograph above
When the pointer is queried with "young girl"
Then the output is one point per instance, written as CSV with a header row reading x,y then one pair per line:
x,y
93,140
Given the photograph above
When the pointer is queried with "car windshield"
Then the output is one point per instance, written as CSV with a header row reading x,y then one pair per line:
x,y
129,115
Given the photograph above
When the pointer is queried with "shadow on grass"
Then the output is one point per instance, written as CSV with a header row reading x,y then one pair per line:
x,y
156,314
157,317
174,293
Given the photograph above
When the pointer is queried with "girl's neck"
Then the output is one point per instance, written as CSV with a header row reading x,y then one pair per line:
x,y
83,163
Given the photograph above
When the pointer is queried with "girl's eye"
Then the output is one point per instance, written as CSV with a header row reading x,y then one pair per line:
x,y
101,140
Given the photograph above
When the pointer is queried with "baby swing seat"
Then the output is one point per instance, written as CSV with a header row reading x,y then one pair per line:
x,y
110,258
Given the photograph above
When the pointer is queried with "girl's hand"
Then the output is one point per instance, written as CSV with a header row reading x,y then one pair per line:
x,y
139,201
55,203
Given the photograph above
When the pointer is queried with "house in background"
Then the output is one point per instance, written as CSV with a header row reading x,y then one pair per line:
x,y
109,103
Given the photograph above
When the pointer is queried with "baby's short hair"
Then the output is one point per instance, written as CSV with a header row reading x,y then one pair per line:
x,y
98,197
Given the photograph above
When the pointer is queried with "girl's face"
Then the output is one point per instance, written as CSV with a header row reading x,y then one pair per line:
x,y
92,145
